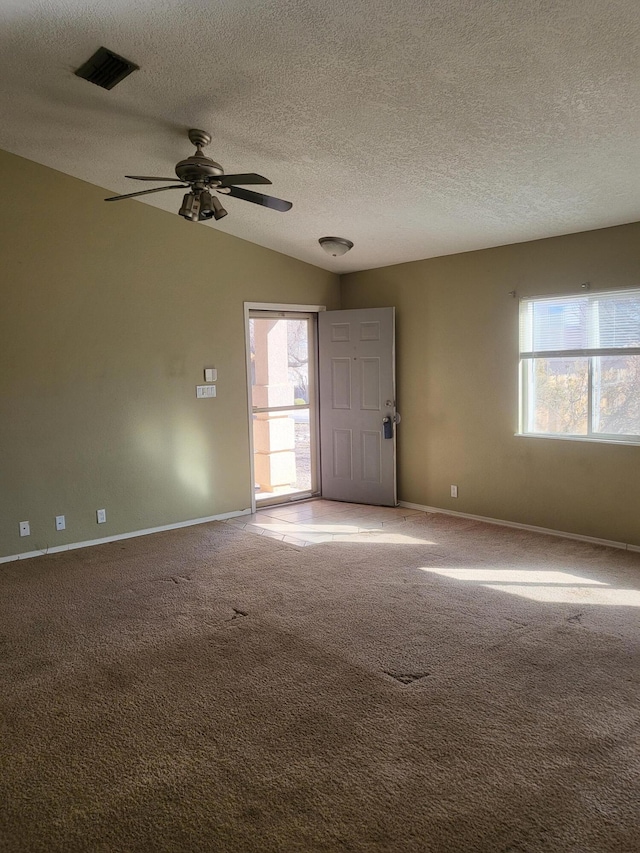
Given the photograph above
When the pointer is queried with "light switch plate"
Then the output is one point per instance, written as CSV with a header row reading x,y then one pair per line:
x,y
204,391
210,374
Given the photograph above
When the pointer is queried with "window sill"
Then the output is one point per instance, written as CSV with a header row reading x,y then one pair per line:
x,y
635,442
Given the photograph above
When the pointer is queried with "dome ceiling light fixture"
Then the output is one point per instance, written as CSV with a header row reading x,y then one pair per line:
x,y
335,246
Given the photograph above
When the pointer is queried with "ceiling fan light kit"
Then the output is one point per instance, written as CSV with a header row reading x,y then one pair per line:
x,y
218,210
190,208
200,174
210,207
335,246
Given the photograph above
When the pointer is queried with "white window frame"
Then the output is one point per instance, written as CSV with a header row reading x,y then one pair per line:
x,y
526,364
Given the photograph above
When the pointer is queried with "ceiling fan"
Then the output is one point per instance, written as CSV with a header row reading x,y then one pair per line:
x,y
199,174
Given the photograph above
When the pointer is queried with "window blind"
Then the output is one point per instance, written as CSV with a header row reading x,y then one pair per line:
x,y
588,324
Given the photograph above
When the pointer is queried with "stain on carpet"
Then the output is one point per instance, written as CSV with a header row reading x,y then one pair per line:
x,y
407,677
238,614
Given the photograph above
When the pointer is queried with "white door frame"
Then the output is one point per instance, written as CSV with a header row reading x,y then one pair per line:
x,y
265,306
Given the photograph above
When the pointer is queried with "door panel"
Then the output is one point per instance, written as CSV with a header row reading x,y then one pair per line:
x,y
357,392
370,384
371,456
342,454
341,383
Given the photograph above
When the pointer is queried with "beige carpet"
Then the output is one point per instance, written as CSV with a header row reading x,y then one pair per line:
x,y
437,685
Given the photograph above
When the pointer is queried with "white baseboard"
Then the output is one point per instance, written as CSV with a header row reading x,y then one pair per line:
x,y
56,549
502,523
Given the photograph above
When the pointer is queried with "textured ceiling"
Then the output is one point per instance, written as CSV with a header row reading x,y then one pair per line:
x,y
414,128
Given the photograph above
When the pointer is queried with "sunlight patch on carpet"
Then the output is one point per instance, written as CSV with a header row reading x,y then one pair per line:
x,y
491,575
550,587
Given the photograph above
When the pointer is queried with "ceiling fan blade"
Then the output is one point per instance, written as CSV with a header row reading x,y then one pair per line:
x,y
259,198
147,178
146,192
246,178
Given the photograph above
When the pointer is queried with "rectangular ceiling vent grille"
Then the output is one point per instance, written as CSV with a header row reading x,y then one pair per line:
x,y
106,69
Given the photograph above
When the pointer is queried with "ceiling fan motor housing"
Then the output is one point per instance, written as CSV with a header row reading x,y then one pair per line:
x,y
198,168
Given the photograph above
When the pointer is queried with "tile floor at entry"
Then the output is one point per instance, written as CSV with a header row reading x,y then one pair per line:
x,y
315,521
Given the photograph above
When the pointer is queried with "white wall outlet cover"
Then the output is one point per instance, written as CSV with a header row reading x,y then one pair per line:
x,y
60,522
101,516
454,491
203,392
210,374
25,529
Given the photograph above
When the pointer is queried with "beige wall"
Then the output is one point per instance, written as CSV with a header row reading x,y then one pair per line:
x,y
457,329
110,312
108,315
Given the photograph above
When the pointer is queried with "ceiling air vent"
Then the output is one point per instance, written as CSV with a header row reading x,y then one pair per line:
x,y
105,68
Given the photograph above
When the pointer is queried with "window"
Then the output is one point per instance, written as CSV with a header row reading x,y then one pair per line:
x,y
580,366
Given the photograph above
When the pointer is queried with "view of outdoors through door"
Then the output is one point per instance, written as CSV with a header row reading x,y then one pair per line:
x,y
283,388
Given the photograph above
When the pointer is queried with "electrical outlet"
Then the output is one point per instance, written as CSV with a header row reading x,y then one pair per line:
x,y
101,516
60,522
454,491
25,529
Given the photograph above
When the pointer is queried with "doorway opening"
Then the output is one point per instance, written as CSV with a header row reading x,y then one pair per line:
x,y
282,373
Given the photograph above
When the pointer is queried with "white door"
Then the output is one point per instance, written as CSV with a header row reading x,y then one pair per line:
x,y
357,405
